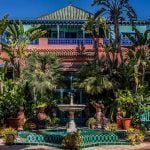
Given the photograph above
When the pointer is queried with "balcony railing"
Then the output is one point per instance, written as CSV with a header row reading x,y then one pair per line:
x,y
34,42
124,42
3,39
71,41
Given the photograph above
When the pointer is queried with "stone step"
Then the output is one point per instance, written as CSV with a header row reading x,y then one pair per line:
x,y
147,136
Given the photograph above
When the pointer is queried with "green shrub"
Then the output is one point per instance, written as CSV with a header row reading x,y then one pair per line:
x,y
72,140
9,135
91,121
112,127
135,136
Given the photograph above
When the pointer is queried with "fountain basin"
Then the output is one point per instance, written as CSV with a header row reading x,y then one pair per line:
x,y
71,109
68,107
89,137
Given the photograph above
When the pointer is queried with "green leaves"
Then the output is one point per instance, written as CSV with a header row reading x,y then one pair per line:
x,y
11,97
94,81
139,39
96,26
96,84
42,74
3,24
124,96
116,10
17,41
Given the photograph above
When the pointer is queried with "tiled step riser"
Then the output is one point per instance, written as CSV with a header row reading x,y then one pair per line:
x,y
90,138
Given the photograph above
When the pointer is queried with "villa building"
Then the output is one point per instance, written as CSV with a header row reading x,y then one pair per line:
x,y
66,39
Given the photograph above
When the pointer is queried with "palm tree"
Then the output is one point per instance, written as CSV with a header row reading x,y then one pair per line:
x,y
97,28
3,24
139,39
139,63
17,41
117,10
93,78
42,74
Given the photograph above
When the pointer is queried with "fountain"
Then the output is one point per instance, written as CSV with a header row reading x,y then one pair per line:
x,y
71,108
54,137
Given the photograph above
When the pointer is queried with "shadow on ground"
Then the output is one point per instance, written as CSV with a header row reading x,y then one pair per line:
x,y
21,147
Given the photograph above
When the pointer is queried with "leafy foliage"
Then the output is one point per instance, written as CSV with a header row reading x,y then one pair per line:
x,y
17,40
95,80
7,131
72,141
3,24
135,136
42,73
112,127
91,121
139,39
11,98
116,10
96,27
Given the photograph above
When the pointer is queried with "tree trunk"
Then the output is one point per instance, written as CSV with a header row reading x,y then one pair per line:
x,y
117,38
17,71
96,41
143,74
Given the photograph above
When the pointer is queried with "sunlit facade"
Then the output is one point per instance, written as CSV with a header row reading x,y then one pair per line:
x,y
66,39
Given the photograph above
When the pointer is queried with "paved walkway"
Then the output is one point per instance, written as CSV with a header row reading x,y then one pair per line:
x,y
143,146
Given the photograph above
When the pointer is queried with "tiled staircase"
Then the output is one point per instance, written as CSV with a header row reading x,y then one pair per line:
x,y
90,138
147,136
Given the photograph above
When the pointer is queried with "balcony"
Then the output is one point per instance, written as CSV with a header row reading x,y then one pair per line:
x,y
70,41
124,42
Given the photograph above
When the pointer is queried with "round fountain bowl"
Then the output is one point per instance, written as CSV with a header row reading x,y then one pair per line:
x,y
69,108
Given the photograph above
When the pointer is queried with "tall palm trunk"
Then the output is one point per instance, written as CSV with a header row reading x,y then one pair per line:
x,y
96,42
117,38
16,70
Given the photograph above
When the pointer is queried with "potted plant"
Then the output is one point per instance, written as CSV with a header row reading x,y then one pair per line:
x,y
135,136
125,101
91,122
72,140
112,127
30,126
119,118
9,135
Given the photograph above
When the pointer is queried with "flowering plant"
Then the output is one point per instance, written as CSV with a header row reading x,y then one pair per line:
x,y
9,135
112,127
135,136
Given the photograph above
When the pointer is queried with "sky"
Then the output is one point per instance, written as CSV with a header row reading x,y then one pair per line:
x,y
28,9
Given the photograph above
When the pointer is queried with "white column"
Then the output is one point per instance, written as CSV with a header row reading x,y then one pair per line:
x,y
58,35
83,37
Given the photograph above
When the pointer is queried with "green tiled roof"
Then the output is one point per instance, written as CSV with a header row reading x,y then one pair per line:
x,y
67,13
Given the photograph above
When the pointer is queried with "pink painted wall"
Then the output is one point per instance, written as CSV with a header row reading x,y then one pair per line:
x,y
43,44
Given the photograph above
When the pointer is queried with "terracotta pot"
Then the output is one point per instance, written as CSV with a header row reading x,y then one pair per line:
x,y
10,139
92,126
119,123
126,123
13,123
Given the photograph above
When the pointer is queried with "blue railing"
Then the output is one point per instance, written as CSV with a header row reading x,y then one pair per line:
x,y
106,41
71,41
124,42
35,42
3,39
